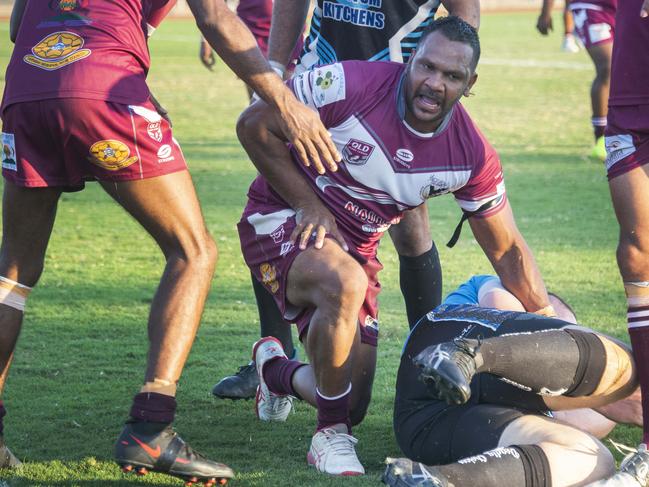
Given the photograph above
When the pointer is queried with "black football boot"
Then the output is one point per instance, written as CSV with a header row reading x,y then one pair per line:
x,y
242,385
7,459
447,369
156,447
401,472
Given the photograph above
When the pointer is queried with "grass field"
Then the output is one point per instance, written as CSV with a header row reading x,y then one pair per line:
x,y
81,355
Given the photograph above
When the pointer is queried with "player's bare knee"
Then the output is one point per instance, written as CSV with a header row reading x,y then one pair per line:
x,y
198,251
619,378
344,289
633,254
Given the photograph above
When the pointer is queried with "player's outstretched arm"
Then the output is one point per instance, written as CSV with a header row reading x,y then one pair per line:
x,y
544,22
261,135
234,43
467,10
286,26
511,258
16,18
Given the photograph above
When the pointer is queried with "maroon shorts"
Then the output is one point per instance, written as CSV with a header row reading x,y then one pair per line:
x,y
64,142
627,139
592,24
264,231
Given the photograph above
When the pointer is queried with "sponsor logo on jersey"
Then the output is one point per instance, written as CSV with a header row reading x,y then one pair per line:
x,y
57,50
365,215
67,17
9,152
355,12
357,152
269,276
404,157
617,148
371,322
111,154
164,153
328,84
435,187
278,235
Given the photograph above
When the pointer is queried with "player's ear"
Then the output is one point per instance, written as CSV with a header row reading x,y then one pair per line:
x,y
472,80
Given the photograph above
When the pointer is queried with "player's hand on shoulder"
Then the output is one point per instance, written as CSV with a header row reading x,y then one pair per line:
x,y
544,24
206,54
315,221
303,128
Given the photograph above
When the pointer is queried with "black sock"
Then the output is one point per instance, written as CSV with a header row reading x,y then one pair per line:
x,y
151,407
514,466
3,412
271,321
551,362
421,283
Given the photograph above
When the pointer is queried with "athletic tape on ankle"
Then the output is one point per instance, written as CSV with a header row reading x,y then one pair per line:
x,y
13,294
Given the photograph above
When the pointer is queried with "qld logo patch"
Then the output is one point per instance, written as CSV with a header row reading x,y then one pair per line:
x,y
9,152
357,152
57,50
112,155
269,277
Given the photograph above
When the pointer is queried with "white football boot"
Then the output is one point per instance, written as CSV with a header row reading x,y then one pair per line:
x,y
268,405
332,451
634,471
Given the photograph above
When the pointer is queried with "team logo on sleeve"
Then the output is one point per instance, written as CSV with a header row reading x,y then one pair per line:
x,y
357,152
269,276
67,17
111,154
9,152
57,50
328,84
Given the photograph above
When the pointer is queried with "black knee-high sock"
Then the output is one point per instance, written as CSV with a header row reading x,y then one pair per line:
x,y
514,466
421,283
551,362
271,321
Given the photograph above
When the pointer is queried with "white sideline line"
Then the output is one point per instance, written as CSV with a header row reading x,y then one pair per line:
x,y
530,63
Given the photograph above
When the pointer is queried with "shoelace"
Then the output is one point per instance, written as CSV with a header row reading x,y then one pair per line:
x,y
341,443
463,345
635,463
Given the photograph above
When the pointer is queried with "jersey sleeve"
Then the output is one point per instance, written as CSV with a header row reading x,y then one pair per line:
x,y
486,186
334,90
157,10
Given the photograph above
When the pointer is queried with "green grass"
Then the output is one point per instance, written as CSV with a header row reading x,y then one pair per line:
x,y
82,352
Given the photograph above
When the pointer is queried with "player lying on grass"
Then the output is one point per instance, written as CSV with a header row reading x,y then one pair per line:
x,y
404,138
77,107
490,398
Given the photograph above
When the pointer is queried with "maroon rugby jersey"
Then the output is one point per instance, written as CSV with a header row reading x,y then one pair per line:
x,y
607,5
256,14
630,68
93,49
387,166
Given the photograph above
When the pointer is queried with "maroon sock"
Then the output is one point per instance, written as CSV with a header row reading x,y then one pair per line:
x,y
333,411
3,411
278,375
640,343
151,407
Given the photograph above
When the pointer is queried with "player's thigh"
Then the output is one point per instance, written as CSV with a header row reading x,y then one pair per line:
x,y
601,54
27,219
167,207
411,236
575,457
324,277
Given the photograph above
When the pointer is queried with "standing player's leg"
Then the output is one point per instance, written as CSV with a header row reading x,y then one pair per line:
x,y
569,42
168,209
338,381
601,54
27,220
420,271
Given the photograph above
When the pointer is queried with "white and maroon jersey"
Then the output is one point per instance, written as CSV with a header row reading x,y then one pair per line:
x,y
387,166
602,5
630,65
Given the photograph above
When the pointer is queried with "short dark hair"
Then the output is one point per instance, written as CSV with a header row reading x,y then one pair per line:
x,y
458,30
